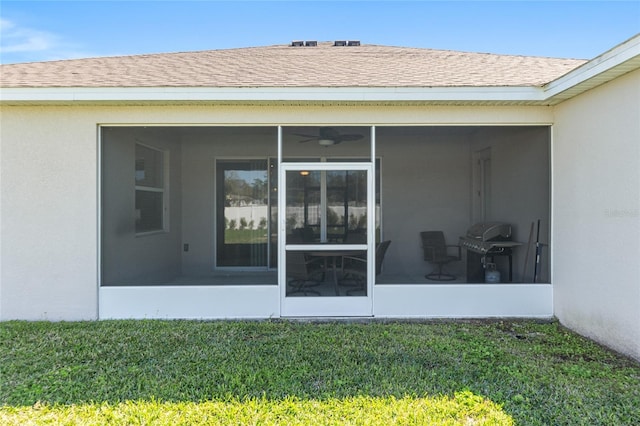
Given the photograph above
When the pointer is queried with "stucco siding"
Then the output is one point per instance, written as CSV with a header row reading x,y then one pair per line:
x,y
49,212
596,210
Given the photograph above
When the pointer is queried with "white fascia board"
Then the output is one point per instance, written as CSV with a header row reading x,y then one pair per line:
x,y
348,94
605,62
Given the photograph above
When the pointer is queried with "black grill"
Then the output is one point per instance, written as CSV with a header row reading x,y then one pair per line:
x,y
484,241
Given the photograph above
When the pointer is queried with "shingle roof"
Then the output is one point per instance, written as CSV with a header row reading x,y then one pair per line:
x,y
286,66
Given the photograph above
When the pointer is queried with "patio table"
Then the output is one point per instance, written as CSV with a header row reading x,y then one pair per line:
x,y
334,255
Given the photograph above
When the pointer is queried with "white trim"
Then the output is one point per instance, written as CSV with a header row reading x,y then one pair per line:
x,y
605,62
189,302
346,94
346,306
391,301
323,246
99,191
371,220
552,207
463,301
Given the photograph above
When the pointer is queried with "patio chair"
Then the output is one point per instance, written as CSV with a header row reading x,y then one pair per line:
x,y
354,268
301,235
436,251
303,273
358,236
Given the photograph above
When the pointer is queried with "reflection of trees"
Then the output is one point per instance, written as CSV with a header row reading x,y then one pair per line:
x,y
291,222
357,222
237,189
345,204
334,218
260,189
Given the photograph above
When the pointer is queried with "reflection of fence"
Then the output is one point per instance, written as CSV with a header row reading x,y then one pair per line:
x,y
357,215
253,216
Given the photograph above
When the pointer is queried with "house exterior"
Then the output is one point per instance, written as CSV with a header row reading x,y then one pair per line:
x,y
190,185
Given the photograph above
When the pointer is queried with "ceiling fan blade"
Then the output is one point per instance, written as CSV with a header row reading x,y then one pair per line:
x,y
349,138
329,133
304,135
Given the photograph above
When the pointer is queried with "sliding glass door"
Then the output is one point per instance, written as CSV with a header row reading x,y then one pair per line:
x,y
242,237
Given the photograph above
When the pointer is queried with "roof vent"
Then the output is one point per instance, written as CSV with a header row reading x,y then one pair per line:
x,y
297,43
311,43
353,43
340,43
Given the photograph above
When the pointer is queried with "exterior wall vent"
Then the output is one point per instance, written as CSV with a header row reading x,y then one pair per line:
x,y
300,43
346,43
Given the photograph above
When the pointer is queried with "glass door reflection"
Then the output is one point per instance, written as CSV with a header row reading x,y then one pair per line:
x,y
242,225
326,207
326,233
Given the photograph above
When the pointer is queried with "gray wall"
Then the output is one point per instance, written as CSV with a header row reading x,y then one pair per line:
x,y
127,258
200,148
427,185
520,185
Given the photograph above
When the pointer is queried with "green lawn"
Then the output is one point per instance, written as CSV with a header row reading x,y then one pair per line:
x,y
245,236
279,372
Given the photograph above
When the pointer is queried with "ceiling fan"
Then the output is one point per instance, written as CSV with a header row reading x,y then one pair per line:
x,y
328,136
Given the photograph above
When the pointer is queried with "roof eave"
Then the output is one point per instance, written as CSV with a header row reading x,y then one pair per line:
x,y
78,95
621,59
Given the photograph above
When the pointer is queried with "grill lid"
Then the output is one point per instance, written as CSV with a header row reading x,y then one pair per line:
x,y
490,231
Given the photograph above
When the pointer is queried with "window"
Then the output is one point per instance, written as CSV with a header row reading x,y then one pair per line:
x,y
150,183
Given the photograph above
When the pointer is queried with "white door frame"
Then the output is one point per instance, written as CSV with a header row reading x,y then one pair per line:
x,y
326,306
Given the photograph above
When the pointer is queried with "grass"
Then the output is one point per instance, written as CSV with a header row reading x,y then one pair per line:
x,y
279,372
245,236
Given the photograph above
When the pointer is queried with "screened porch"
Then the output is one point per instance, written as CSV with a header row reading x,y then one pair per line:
x,y
198,205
